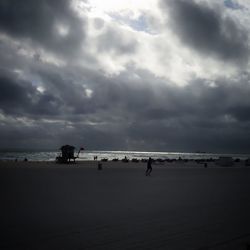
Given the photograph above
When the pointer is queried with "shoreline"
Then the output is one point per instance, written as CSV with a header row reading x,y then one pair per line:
x,y
111,155
118,164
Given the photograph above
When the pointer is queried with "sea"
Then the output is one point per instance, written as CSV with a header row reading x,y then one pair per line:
x,y
110,155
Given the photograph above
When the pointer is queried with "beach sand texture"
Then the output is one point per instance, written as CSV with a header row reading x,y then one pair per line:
x,y
50,206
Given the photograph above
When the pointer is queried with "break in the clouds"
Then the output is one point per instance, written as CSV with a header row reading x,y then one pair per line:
x,y
137,75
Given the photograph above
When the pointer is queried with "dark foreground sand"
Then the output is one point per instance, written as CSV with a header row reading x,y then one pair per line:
x,y
48,206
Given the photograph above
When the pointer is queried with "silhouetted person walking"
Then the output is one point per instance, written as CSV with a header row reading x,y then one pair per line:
x,y
149,167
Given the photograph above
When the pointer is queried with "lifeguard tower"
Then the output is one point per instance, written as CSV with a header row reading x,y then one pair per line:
x,y
67,154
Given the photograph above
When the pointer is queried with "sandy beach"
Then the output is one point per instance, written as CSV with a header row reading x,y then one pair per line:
x,y
181,206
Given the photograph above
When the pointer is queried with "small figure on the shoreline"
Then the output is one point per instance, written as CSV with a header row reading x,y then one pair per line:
x,y
149,167
125,159
25,159
95,158
99,166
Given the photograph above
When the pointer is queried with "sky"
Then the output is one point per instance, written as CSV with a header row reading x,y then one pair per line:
x,y
155,75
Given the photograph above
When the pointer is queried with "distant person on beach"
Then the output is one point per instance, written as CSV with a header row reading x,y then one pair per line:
x,y
149,167
99,166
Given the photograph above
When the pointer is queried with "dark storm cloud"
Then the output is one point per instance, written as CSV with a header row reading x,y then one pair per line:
x,y
241,112
197,116
207,30
38,20
155,100
19,97
183,135
132,110
71,89
62,95
124,114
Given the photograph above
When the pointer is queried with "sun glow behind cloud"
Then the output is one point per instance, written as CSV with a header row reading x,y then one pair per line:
x,y
158,50
126,6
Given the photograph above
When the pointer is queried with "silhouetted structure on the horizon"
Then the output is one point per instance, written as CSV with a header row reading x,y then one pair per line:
x,y
67,154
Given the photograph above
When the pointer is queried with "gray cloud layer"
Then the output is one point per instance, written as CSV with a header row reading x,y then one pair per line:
x,y
207,30
133,109
37,21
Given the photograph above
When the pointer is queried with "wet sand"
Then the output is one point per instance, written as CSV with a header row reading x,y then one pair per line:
x,y
181,206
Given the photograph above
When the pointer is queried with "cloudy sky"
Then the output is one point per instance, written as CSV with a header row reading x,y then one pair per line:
x,y
157,75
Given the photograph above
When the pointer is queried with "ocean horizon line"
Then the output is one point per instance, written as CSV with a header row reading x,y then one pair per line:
x,y
109,155
125,151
